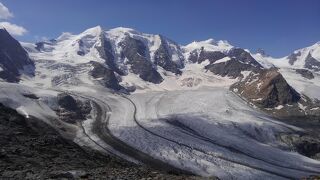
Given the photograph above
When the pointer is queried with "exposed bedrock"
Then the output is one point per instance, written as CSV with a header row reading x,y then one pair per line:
x,y
105,76
267,89
163,58
71,110
136,53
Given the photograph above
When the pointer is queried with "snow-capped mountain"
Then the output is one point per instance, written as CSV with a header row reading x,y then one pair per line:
x,y
308,58
208,45
149,100
120,51
123,59
127,60
300,69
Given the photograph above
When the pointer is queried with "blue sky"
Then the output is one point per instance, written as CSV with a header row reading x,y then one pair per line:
x,y
277,26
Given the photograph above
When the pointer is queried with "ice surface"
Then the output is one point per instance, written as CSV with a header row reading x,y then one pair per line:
x,y
209,131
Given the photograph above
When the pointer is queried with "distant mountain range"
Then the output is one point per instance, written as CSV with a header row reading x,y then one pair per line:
x,y
126,60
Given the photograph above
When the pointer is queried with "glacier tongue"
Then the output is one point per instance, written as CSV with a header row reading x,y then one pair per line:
x,y
209,132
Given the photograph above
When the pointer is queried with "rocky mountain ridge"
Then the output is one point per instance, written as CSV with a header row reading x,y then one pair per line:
x,y
109,58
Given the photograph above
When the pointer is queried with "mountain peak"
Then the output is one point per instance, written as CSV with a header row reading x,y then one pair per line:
x,y
94,31
97,30
64,36
123,30
209,45
210,41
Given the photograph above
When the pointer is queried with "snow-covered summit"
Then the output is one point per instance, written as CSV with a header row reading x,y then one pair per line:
x,y
64,36
299,57
209,45
70,48
308,57
91,31
123,30
115,49
152,41
295,68
117,35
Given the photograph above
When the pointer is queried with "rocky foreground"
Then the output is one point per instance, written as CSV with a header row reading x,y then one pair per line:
x,y
30,149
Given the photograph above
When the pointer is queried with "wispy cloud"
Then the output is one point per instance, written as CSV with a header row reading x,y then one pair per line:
x,y
13,29
4,12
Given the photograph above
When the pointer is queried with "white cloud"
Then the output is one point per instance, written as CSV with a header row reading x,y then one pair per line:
x,y
13,29
4,12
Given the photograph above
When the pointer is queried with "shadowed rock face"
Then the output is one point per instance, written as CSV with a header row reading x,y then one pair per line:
x,y
40,46
203,55
106,52
231,68
81,52
267,89
136,53
240,60
163,58
193,57
305,73
67,102
71,110
312,63
294,57
243,56
262,52
211,56
105,76
13,58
